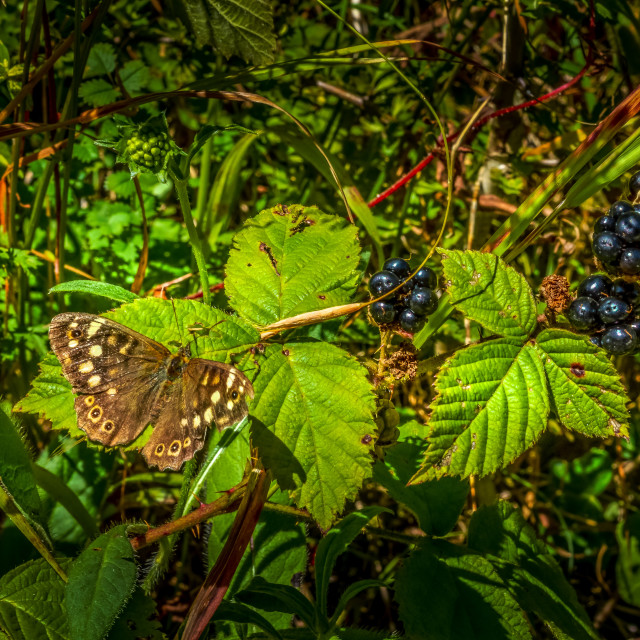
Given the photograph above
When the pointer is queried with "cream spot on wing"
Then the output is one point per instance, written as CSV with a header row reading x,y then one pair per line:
x,y
67,362
94,381
73,325
112,391
73,343
86,367
205,379
208,415
216,380
242,389
112,341
184,422
196,421
230,404
123,350
95,350
215,397
93,328
230,380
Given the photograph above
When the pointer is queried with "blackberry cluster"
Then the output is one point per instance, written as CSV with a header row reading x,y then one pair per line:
x,y
616,238
149,150
610,311
412,303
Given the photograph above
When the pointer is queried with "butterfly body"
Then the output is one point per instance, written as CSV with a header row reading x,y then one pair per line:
x,y
124,381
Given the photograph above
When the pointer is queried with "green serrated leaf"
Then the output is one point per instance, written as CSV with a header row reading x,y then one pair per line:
x,y
98,92
291,260
101,580
235,28
492,405
134,75
485,289
31,602
311,417
102,59
587,392
446,592
16,472
93,287
501,534
51,398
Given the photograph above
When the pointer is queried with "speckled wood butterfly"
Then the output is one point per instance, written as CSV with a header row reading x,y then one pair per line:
x,y
124,381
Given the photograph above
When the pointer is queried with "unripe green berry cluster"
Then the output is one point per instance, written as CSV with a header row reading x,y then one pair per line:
x,y
149,150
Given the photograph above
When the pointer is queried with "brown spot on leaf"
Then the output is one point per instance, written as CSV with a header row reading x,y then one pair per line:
x,y
577,369
366,439
265,248
285,352
322,297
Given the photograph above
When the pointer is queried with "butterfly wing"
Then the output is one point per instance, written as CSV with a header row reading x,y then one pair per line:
x,y
117,373
208,391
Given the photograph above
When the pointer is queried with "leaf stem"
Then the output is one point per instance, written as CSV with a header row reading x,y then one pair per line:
x,y
183,197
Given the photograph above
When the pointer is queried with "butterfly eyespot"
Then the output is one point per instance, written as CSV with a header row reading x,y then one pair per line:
x,y
75,333
174,449
89,400
187,442
107,425
95,414
159,449
234,394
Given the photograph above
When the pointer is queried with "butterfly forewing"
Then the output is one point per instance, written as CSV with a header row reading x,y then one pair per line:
x,y
124,381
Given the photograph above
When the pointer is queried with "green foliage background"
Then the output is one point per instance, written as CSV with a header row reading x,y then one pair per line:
x,y
320,121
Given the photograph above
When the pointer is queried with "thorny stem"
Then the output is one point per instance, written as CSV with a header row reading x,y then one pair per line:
x,y
183,197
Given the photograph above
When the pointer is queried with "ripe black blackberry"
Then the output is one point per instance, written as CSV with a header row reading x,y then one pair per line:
x,y
609,312
414,298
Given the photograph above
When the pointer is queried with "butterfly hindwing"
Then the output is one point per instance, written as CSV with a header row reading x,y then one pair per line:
x,y
210,392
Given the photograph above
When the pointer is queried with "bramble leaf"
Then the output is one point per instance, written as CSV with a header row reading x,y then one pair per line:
x,y
101,580
134,75
98,92
311,417
492,405
31,602
235,28
291,260
102,59
51,398
587,392
485,289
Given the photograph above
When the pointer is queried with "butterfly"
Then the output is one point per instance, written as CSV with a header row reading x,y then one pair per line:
x,y
124,381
